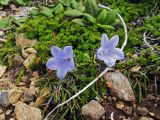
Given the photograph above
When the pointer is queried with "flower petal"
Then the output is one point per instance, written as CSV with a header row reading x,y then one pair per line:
x,y
64,67
61,73
104,41
100,54
68,51
113,42
109,61
116,53
52,64
57,52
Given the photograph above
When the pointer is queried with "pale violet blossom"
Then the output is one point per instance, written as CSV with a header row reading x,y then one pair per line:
x,y
108,51
62,61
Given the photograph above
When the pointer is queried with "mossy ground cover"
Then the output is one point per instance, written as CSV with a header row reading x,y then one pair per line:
x,y
54,28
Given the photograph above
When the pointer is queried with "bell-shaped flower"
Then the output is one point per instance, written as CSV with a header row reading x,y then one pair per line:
x,y
62,61
108,51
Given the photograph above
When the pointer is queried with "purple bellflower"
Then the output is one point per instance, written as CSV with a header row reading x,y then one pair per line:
x,y
108,51
62,61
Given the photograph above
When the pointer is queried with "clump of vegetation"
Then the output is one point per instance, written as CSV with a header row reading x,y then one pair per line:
x,y
50,26
61,32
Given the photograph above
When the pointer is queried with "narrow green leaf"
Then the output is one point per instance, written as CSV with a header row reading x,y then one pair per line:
x,y
46,11
4,2
80,6
58,9
73,13
74,4
21,2
102,16
80,22
91,7
90,18
107,27
65,2
110,17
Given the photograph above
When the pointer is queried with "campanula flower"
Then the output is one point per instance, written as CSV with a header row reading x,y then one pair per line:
x,y
108,51
62,61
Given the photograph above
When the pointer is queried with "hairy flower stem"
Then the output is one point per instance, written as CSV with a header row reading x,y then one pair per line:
x,y
95,80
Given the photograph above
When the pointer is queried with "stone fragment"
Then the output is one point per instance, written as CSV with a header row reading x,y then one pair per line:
x,y
4,98
24,53
146,118
151,97
35,74
25,112
2,70
1,111
2,117
142,111
24,79
14,95
119,86
27,98
12,119
120,105
18,61
6,84
29,60
8,112
135,68
128,110
22,41
3,14
93,110
31,50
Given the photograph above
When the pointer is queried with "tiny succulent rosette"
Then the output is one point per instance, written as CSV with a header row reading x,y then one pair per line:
x,y
108,51
62,61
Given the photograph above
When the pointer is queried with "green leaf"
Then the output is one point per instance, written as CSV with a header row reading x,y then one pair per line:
x,y
102,16
34,12
6,22
91,7
65,2
110,17
58,9
107,27
4,2
46,11
21,2
74,4
80,22
80,6
73,13
90,18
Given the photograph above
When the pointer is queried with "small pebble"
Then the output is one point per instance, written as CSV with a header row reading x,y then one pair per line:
x,y
8,112
120,105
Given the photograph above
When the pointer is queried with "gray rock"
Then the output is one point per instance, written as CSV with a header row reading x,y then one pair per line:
x,y
119,86
2,70
25,112
4,98
93,110
22,41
